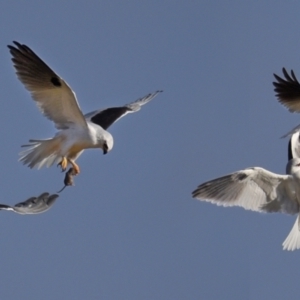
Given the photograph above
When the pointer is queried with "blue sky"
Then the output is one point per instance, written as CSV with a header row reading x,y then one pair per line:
x,y
129,229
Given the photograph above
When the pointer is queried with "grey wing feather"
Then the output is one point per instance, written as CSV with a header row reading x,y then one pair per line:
x,y
136,105
287,90
106,117
52,94
252,189
51,200
36,205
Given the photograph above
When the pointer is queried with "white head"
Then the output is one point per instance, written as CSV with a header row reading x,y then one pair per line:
x,y
107,142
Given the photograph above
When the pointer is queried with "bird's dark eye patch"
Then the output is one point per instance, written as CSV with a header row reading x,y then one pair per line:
x,y
55,81
241,176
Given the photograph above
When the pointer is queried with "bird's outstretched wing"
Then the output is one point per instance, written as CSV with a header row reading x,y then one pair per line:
x,y
254,188
287,90
33,205
106,117
52,94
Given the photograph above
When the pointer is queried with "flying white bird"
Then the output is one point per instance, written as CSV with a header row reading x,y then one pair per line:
x,y
58,102
260,190
287,91
33,205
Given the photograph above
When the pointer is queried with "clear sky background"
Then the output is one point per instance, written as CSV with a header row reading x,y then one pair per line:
x,y
129,229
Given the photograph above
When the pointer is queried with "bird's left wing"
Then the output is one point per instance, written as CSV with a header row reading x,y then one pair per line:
x,y
53,96
254,188
106,117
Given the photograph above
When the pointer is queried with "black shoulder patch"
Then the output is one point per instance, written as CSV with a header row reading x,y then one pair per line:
x,y
55,81
290,151
108,116
241,176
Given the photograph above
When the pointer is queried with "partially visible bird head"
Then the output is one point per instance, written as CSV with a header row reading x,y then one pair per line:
x,y
293,166
108,143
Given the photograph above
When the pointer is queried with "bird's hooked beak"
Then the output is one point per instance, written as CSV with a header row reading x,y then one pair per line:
x,y
105,148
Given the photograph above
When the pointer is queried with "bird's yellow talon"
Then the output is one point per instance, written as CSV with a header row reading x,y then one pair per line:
x,y
63,164
76,168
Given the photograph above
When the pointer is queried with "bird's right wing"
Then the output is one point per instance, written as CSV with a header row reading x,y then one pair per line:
x,y
52,94
287,90
254,188
106,117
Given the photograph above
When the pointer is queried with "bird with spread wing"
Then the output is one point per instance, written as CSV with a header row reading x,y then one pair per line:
x,y
259,190
57,101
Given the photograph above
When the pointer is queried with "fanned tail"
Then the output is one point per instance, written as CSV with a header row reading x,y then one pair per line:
x,y
41,153
292,242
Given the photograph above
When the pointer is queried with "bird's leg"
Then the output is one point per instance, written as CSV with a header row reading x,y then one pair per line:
x,y
63,164
75,166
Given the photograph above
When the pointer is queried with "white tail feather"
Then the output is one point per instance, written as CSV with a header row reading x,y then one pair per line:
x,y
41,153
292,242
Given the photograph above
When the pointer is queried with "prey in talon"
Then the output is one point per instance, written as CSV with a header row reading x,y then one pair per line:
x,y
69,181
64,164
